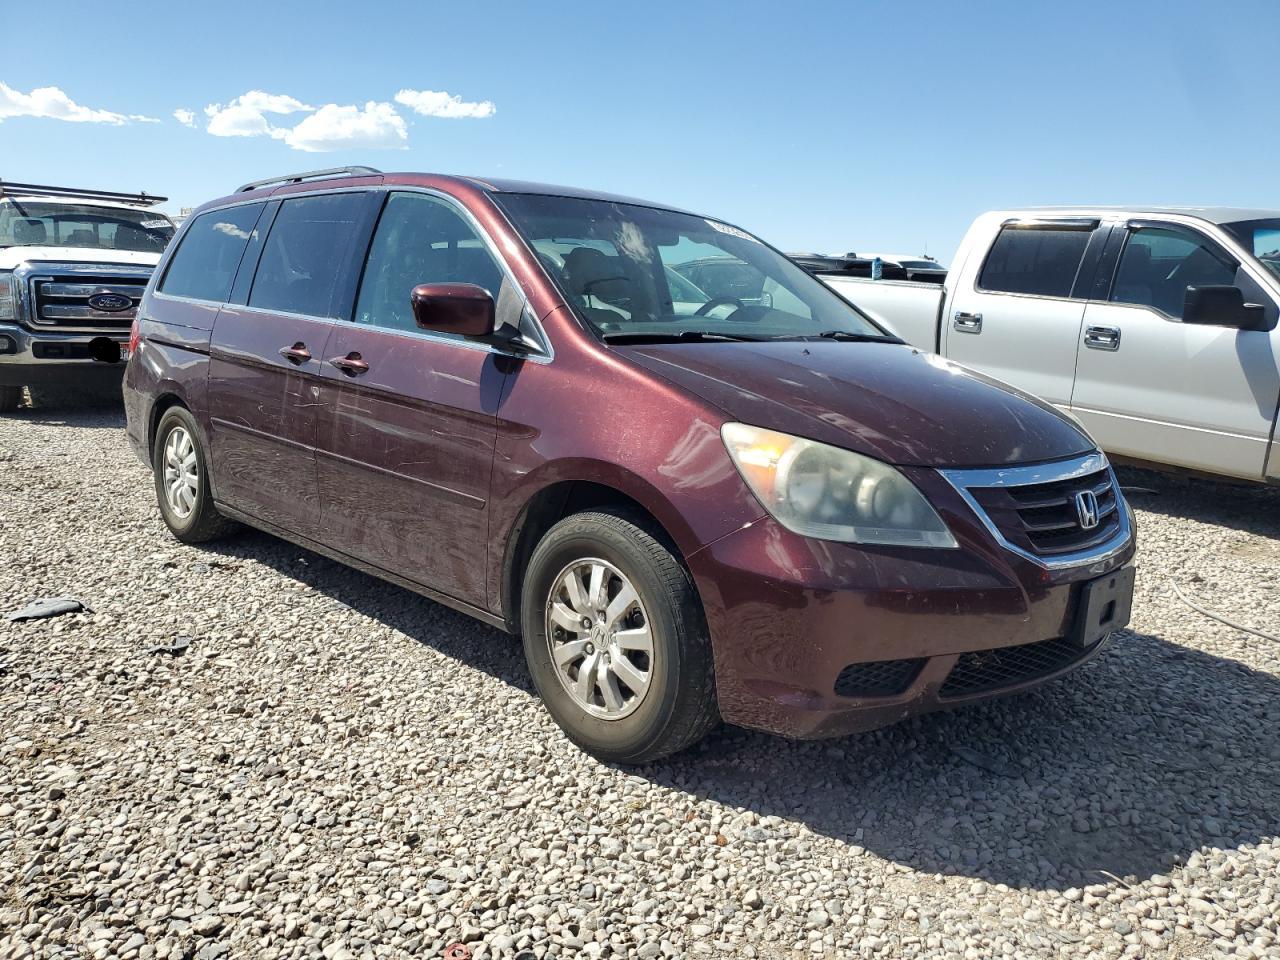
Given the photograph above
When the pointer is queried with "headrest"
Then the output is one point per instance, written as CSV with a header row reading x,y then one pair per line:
x,y
586,269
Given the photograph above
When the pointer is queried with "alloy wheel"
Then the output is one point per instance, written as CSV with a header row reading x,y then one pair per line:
x,y
181,473
599,637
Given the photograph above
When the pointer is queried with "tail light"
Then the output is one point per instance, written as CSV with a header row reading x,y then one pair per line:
x,y
134,337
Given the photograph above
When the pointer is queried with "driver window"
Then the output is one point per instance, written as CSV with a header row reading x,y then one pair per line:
x,y
1159,263
420,239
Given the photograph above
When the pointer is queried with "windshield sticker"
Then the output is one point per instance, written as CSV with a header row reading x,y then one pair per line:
x,y
154,224
731,231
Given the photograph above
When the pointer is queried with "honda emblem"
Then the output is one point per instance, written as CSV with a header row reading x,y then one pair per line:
x,y
1087,509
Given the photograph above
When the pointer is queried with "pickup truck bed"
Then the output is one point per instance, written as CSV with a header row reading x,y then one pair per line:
x,y
913,311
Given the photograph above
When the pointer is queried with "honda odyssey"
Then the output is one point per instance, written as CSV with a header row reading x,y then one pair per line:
x,y
698,494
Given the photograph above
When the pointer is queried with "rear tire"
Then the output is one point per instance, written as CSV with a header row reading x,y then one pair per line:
x,y
661,634
10,398
181,473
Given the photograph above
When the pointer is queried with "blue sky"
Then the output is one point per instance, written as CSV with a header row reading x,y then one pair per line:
x,y
829,127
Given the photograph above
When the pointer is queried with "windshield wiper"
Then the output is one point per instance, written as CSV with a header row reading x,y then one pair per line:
x,y
847,336
694,336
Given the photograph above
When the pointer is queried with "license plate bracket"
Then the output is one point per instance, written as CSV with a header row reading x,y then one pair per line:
x,y
1105,605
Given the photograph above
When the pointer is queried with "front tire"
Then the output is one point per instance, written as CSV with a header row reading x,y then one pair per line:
x,y
616,640
10,398
182,480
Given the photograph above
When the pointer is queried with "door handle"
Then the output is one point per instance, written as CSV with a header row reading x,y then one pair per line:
x,y
967,322
296,354
351,364
1102,338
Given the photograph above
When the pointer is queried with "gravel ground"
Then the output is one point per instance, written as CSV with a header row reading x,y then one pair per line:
x,y
337,768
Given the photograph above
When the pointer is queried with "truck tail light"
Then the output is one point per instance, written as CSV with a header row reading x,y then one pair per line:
x,y
134,337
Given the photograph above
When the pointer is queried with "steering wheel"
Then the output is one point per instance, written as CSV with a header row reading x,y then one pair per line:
x,y
714,302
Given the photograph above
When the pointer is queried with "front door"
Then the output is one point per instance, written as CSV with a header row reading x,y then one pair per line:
x,y
1153,388
1021,320
266,358
405,460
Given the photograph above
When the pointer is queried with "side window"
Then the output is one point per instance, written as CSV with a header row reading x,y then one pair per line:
x,y
204,266
305,254
1157,265
420,239
1037,260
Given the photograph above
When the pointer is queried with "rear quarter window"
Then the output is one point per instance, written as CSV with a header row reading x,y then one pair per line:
x,y
1040,261
205,263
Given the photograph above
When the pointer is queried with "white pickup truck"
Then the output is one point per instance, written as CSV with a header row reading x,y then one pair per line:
x,y
1154,328
73,265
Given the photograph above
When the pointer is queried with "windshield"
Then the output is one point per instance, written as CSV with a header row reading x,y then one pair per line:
x,y
31,223
636,271
1261,238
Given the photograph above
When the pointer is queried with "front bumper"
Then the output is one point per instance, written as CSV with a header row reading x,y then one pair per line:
x,y
50,358
901,631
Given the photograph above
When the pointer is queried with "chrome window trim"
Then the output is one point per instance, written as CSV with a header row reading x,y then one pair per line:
x,y
962,480
547,352
177,298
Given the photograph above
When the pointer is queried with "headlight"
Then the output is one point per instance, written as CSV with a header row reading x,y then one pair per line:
x,y
825,492
8,296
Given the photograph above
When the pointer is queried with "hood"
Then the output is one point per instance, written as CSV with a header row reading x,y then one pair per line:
x,y
12,256
888,401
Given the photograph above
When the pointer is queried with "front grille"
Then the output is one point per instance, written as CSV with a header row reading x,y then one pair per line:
x,y
883,678
62,301
1044,519
988,670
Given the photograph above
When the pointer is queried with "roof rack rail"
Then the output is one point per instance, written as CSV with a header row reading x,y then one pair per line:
x,y
308,175
42,190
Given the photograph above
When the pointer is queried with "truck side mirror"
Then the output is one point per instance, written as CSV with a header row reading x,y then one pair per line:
x,y
460,308
1221,305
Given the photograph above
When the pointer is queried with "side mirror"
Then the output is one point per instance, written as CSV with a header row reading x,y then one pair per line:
x,y
1221,305
460,308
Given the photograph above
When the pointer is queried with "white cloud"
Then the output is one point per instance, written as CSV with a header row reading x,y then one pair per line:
x,y
52,103
333,127
245,116
437,103
142,119
375,126
185,117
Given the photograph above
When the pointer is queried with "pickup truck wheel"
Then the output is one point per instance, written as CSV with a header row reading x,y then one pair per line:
x,y
616,639
10,397
182,480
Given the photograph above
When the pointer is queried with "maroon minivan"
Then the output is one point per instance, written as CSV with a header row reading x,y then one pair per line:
x,y
699,483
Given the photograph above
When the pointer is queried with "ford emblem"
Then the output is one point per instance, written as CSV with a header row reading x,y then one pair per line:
x,y
110,302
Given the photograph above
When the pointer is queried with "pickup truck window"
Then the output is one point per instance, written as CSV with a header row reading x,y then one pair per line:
x,y
1038,260
1157,265
27,223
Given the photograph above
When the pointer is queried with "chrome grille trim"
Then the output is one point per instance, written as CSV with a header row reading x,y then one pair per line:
x,y
966,482
50,289
48,293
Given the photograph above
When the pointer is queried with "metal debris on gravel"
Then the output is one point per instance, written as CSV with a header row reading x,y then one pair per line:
x,y
43,607
340,769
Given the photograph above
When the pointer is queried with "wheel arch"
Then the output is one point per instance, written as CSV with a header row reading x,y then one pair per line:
x,y
165,400
562,498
